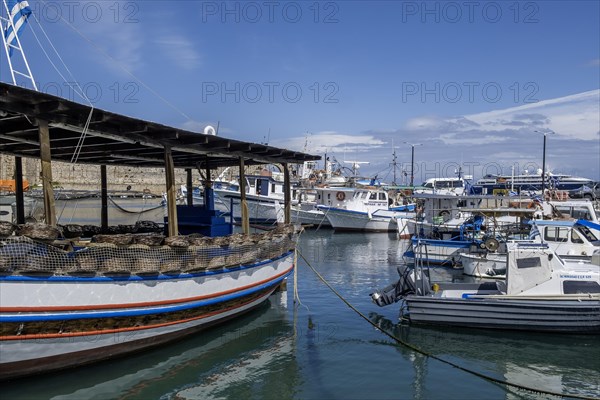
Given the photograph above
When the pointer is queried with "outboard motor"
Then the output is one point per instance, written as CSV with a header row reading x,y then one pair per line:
x,y
396,291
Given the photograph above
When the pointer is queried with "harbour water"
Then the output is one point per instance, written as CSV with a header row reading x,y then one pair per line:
x,y
319,348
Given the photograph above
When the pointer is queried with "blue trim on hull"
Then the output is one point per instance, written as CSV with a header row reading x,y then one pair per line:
x,y
146,311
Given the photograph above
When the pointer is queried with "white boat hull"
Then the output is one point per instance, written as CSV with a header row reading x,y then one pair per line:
x,y
261,210
380,221
313,217
573,316
62,321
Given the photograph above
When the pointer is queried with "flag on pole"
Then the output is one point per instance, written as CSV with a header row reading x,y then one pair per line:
x,y
534,232
19,12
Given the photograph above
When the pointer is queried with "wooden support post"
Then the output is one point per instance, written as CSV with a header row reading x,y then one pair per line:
x,y
45,158
243,203
103,199
190,188
19,190
171,193
287,195
209,195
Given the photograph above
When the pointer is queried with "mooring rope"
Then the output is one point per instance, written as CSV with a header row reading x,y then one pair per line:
x,y
423,352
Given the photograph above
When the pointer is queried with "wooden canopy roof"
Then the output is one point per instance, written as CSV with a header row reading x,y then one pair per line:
x,y
114,139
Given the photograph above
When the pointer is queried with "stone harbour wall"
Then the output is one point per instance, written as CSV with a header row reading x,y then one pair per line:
x,y
87,177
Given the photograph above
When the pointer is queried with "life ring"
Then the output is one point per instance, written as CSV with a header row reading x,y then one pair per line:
x,y
444,213
340,196
491,244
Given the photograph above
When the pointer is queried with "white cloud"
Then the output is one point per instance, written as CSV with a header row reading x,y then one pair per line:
x,y
493,141
453,138
331,141
121,42
576,116
180,50
594,63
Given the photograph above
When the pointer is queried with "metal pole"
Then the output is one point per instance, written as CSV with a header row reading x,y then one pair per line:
x,y
287,194
412,165
544,167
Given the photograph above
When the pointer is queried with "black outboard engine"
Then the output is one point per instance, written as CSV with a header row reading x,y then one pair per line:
x,y
396,291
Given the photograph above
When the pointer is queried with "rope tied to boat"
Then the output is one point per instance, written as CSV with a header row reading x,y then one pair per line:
x,y
425,353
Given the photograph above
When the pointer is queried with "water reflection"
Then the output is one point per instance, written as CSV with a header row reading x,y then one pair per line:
x,y
556,363
251,356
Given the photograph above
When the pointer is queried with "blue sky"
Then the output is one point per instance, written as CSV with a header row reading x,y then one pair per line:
x,y
471,81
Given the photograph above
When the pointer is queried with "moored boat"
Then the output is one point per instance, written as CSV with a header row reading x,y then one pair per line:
x,y
367,210
542,292
67,302
115,299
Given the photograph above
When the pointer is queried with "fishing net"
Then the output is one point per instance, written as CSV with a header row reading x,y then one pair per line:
x,y
21,255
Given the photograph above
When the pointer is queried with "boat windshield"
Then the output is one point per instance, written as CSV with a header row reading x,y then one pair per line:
x,y
575,212
586,233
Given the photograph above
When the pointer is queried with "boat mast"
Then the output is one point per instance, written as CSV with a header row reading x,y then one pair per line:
x,y
394,163
6,22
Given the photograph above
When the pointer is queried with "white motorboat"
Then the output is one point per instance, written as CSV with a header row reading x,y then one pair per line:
x,y
444,243
542,292
367,210
455,186
575,241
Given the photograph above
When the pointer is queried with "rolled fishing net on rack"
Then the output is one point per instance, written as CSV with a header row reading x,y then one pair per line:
x,y
111,255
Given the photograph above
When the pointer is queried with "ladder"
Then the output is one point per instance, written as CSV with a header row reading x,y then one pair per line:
x,y
5,22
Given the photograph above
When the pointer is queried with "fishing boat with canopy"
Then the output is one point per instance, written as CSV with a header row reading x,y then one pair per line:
x,y
67,300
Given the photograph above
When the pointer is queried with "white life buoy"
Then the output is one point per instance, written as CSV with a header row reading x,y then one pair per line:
x,y
209,130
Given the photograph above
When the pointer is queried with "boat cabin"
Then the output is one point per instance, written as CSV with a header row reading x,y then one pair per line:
x,y
579,239
456,186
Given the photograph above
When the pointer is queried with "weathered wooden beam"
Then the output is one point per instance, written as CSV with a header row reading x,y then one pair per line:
x,y
46,160
19,140
19,190
243,202
104,199
190,187
171,193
